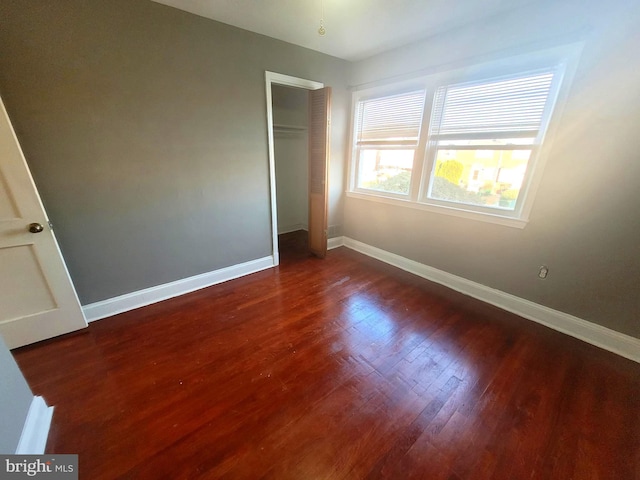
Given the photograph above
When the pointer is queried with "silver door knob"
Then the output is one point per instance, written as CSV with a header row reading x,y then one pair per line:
x,y
35,228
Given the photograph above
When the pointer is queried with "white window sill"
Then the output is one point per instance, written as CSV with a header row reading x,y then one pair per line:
x,y
452,211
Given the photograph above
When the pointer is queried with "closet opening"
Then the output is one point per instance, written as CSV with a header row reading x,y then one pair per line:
x,y
298,113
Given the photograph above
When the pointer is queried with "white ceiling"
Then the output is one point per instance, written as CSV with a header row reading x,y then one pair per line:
x,y
356,29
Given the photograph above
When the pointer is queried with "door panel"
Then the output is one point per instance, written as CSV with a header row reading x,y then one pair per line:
x,y
28,292
37,299
319,132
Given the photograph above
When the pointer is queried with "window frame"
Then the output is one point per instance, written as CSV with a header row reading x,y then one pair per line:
x,y
562,59
388,91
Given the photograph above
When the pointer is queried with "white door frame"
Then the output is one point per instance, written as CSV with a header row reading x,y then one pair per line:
x,y
272,78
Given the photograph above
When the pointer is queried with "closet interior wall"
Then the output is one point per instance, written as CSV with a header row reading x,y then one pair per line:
x,y
290,117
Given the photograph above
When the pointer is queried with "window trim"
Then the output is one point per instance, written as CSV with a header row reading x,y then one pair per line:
x,y
564,59
354,166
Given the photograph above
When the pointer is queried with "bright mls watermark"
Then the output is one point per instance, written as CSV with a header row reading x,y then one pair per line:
x,y
52,467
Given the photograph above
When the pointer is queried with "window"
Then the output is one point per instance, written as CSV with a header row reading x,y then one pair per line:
x,y
386,139
465,143
494,125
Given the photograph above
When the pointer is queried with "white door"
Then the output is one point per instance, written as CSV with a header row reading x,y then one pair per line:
x,y
37,298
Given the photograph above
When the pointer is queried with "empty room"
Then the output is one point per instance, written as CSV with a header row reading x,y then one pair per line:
x,y
320,239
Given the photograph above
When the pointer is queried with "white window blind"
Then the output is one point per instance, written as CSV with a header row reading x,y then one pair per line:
x,y
394,119
511,105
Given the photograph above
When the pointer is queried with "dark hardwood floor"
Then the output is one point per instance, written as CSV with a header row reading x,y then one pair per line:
x,y
331,369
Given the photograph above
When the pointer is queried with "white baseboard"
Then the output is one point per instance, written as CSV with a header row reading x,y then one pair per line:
x,y
293,228
616,342
141,298
335,243
33,439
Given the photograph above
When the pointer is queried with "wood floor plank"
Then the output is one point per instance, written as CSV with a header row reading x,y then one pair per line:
x,y
341,368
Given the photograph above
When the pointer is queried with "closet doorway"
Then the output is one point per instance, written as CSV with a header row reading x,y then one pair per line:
x,y
298,113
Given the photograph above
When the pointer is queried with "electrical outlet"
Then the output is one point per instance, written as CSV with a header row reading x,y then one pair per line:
x,y
543,272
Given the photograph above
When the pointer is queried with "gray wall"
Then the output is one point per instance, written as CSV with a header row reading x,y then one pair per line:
x,y
145,129
585,223
290,108
15,399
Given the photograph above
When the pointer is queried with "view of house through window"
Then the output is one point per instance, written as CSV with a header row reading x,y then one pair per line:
x,y
475,150
480,175
482,136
